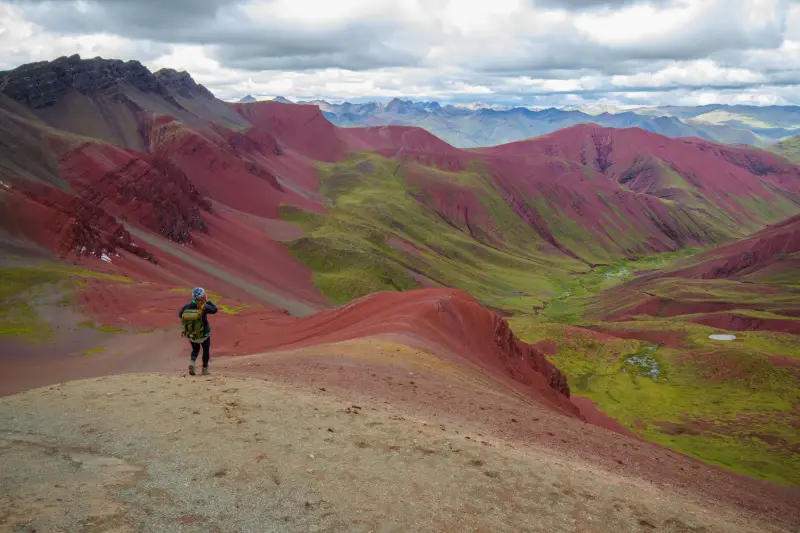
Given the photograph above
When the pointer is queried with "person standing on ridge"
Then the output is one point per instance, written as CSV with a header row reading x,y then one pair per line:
x,y
194,317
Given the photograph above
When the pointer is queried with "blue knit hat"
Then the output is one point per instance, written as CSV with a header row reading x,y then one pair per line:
x,y
198,293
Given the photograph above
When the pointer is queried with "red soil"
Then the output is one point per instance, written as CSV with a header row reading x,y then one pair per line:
x,y
737,322
302,128
779,360
571,331
447,322
595,416
232,251
458,206
240,246
747,257
618,154
598,206
137,306
668,339
396,141
134,186
247,185
66,224
264,151
248,174
555,167
405,246
668,307
547,347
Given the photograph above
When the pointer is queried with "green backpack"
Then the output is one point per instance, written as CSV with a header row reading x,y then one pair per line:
x,y
192,321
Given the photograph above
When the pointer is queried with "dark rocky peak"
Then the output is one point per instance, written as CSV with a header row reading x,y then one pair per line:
x,y
282,100
247,99
42,84
182,83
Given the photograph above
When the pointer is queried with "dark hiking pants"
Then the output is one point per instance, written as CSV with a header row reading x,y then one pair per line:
x,y
206,350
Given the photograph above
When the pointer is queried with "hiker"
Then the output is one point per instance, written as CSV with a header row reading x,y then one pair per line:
x,y
194,317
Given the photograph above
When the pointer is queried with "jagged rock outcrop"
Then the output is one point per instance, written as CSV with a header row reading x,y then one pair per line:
x,y
182,83
514,349
40,85
148,189
69,225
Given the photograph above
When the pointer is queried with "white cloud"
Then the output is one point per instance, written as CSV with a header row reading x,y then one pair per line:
x,y
700,73
515,51
22,42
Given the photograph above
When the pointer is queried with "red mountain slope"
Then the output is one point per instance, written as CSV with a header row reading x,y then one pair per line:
x,y
614,183
750,284
646,162
188,164
765,253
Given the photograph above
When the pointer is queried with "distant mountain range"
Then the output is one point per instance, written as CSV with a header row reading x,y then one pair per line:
x,y
478,124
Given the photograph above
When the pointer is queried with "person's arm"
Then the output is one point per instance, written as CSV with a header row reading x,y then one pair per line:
x,y
210,308
180,313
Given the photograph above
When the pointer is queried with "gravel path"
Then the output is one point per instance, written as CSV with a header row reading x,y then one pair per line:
x,y
168,453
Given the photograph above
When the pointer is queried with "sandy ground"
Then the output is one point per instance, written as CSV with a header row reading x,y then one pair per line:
x,y
159,452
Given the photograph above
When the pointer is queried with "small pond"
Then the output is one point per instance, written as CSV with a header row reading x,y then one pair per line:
x,y
722,337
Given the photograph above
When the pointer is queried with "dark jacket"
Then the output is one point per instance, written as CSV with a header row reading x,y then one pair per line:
x,y
209,309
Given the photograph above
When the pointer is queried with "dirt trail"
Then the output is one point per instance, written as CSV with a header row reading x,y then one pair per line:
x,y
155,453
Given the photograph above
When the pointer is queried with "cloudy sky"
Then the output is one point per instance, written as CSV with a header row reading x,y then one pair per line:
x,y
523,52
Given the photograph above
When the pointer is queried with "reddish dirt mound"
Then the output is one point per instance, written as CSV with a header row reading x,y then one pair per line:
x,y
581,333
445,320
779,360
737,322
547,347
748,256
595,416
668,339
667,307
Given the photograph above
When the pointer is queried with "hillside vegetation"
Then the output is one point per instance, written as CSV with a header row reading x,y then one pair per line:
x,y
615,251
789,148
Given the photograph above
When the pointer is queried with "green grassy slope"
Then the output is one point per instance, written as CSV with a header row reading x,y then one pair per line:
x,y
788,148
732,404
20,287
724,403
378,237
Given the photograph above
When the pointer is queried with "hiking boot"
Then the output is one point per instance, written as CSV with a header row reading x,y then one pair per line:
x,y
205,371
191,368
